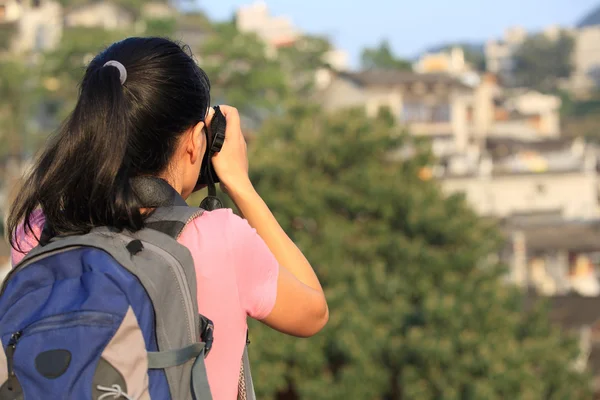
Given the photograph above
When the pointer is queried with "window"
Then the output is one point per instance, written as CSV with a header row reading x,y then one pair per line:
x,y
540,188
415,112
441,113
40,38
420,112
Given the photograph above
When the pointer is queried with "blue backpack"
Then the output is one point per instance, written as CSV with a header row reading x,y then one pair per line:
x,y
110,315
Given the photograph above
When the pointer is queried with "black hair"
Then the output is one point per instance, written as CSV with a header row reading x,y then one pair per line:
x,y
81,179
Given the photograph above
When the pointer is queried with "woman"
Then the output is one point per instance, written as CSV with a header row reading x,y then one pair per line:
x,y
142,110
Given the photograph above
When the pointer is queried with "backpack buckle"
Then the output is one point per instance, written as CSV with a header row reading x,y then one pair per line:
x,y
206,334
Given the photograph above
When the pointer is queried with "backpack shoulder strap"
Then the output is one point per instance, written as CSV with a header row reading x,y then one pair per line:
x,y
171,220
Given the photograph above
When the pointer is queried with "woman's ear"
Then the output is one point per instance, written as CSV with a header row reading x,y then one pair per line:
x,y
196,142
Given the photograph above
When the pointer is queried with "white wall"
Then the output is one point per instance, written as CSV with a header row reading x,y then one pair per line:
x,y
586,58
12,10
573,193
99,15
40,28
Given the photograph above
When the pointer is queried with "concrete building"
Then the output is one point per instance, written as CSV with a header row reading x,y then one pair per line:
x,y
158,10
102,14
586,60
10,10
545,194
450,62
279,31
518,113
431,105
35,25
499,53
555,177
272,30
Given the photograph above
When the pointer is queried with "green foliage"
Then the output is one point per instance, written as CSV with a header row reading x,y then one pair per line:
x,y
581,117
194,19
7,31
132,6
382,57
540,61
301,61
161,27
17,100
414,312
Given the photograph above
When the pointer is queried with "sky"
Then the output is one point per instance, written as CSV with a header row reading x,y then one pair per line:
x,y
412,27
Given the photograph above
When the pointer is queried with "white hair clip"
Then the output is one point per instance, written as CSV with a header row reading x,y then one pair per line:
x,y
120,67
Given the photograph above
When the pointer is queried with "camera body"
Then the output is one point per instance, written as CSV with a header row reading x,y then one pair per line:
x,y
215,137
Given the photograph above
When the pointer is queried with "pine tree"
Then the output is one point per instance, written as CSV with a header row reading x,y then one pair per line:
x,y
418,309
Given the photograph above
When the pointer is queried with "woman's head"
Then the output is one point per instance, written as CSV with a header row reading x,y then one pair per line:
x,y
150,125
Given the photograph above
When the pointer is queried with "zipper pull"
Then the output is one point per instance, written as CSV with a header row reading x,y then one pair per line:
x,y
10,354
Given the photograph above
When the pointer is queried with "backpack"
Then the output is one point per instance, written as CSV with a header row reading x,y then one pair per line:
x,y
110,315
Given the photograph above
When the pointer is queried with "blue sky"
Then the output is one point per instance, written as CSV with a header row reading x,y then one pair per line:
x,y
415,25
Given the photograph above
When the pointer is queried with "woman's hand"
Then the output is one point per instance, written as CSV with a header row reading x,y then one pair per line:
x,y
231,163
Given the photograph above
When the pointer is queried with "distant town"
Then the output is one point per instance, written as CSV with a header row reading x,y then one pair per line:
x,y
496,125
499,142
514,124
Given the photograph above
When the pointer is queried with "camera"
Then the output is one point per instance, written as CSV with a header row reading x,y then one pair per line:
x,y
215,137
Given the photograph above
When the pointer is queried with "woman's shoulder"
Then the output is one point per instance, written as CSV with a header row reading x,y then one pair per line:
x,y
223,236
222,221
215,231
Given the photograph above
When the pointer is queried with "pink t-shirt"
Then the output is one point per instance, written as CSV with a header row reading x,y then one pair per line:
x,y
237,277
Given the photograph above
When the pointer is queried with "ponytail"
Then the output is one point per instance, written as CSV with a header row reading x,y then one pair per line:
x,y
82,178
137,98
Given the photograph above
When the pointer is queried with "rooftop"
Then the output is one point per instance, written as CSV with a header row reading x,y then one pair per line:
x,y
591,19
373,77
576,236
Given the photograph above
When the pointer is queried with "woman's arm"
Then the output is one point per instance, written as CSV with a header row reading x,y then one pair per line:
x,y
300,308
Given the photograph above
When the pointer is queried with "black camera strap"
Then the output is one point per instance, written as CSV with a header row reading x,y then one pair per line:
x,y
214,145
211,202
155,192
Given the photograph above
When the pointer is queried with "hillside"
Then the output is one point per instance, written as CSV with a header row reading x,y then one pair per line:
x,y
591,19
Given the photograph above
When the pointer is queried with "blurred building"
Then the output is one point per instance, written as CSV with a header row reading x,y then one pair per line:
x,y
30,25
499,53
457,116
554,178
520,113
503,151
586,55
279,31
158,10
450,62
430,105
102,14
256,18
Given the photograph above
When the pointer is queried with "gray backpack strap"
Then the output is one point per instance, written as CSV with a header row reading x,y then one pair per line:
x,y
180,354
173,358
